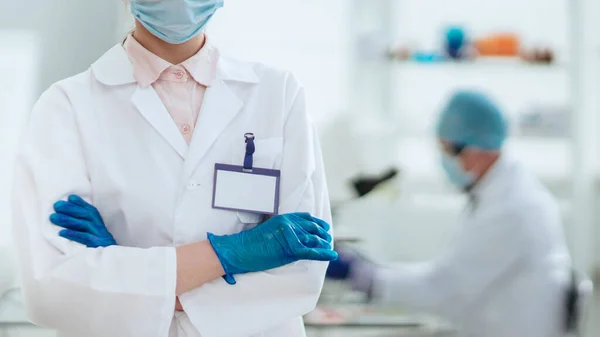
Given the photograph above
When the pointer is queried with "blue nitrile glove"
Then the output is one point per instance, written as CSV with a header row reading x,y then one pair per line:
x,y
83,223
354,268
279,241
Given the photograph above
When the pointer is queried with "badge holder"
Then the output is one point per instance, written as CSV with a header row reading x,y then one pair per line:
x,y
246,188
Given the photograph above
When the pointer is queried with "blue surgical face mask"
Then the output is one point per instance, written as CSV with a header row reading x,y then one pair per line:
x,y
455,171
174,21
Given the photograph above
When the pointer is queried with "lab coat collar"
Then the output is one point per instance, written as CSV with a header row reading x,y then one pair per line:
x,y
229,70
219,108
114,68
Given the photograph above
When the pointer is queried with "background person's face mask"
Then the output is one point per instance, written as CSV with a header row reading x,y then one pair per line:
x,y
455,171
174,21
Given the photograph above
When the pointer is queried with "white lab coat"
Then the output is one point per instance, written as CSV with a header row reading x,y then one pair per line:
x,y
101,136
506,271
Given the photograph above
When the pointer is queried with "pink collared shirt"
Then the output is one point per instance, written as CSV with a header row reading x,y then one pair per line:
x,y
180,87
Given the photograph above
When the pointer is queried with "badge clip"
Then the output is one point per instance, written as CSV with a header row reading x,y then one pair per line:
x,y
250,149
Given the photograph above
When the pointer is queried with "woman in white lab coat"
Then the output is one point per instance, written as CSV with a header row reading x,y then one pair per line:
x,y
506,272
110,137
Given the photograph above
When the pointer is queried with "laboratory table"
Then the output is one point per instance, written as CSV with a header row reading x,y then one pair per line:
x,y
386,324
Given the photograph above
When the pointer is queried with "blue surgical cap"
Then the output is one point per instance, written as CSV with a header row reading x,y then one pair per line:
x,y
472,119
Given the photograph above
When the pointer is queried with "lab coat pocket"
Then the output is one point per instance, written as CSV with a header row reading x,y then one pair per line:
x,y
249,219
267,154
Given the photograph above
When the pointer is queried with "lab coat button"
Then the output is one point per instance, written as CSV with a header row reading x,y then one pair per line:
x,y
185,129
192,185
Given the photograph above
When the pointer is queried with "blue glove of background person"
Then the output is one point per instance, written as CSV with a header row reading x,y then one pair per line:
x,y
279,241
340,268
355,269
82,223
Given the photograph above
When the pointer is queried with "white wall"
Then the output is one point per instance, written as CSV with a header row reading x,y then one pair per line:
x,y
72,33
18,69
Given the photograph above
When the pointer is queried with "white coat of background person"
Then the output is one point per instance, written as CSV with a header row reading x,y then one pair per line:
x,y
506,271
103,136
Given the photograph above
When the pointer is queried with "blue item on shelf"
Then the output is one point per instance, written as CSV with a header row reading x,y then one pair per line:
x,y
455,41
427,57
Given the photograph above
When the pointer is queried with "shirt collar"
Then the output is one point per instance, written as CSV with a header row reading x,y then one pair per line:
x,y
203,66
148,67
115,68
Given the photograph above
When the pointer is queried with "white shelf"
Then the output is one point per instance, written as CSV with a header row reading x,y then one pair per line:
x,y
504,63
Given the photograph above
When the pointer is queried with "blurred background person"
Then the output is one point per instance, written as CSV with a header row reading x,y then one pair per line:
x,y
508,262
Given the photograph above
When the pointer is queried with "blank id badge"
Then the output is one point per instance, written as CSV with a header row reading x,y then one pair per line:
x,y
246,188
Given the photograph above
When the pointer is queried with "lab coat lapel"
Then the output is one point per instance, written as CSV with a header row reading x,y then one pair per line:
x,y
219,108
152,108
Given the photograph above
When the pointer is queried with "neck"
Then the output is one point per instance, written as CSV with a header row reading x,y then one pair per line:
x,y
172,53
487,166
482,169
